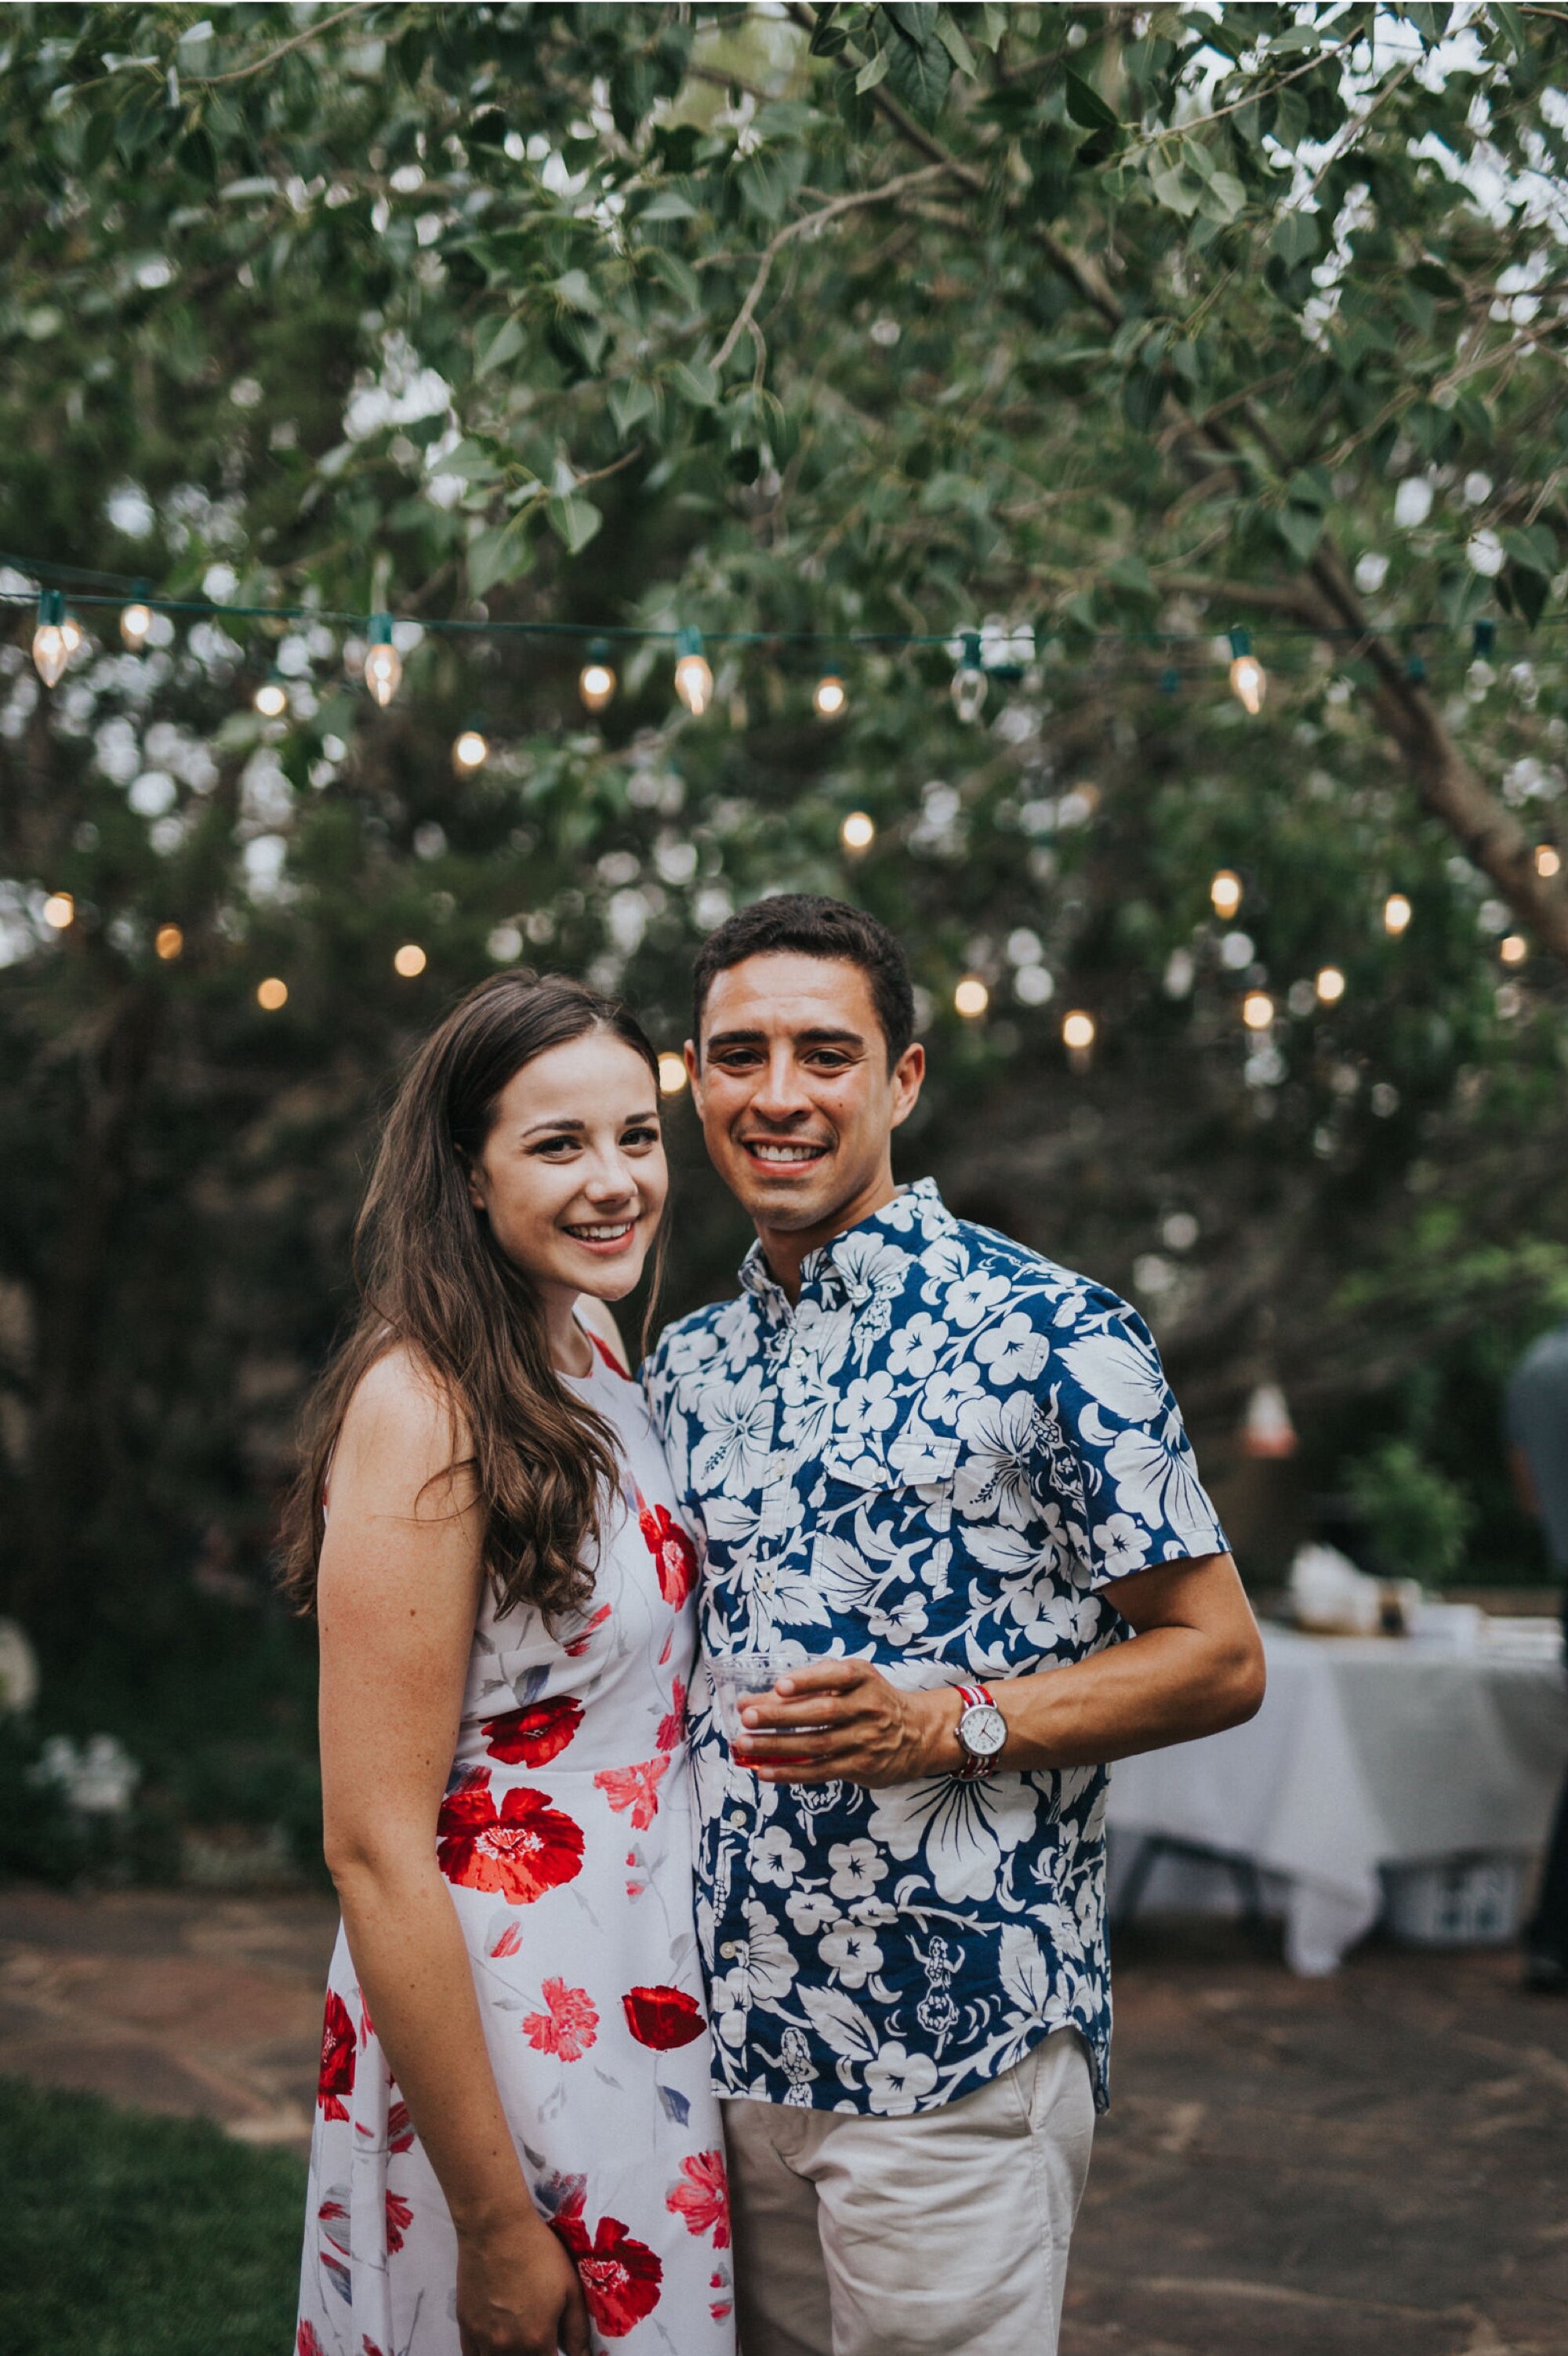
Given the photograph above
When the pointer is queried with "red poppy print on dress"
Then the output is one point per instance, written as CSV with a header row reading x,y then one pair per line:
x,y
675,1557
308,2342
636,1788
567,2026
399,2128
662,2017
702,2198
609,1355
522,1848
532,1737
672,1726
620,2276
579,1644
400,2216
336,2079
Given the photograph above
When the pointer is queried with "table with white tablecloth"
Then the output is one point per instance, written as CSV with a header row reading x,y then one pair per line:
x,y
1369,1753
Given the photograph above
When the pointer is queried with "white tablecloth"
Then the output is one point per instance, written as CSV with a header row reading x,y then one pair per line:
x,y
1367,1752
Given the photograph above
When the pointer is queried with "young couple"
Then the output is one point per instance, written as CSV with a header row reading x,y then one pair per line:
x,y
945,1480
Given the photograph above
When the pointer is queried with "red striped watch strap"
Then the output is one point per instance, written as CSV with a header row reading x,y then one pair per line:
x,y
974,1698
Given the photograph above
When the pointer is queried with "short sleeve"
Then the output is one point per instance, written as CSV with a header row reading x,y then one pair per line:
x,y
1115,1460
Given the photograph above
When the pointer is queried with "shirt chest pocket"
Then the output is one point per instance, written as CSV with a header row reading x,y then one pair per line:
x,y
909,1465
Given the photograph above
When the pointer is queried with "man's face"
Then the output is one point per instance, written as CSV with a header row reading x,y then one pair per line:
x,y
797,1103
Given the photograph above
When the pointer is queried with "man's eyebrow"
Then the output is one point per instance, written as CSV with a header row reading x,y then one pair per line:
x,y
816,1036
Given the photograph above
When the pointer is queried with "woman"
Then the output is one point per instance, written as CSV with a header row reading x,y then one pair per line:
x,y
516,2145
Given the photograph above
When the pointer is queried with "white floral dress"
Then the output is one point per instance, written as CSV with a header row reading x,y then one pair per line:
x,y
565,1838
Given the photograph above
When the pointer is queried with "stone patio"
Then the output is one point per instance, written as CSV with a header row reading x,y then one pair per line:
x,y
1374,2165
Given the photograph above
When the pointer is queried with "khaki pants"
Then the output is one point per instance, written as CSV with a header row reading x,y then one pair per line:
x,y
944,2234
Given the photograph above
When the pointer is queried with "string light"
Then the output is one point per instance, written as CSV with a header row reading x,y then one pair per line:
x,y
72,631
469,752
1225,894
410,961
135,621
1548,860
1396,913
596,680
1257,1010
1329,985
1078,1031
693,680
831,699
1513,949
168,941
59,910
972,998
858,832
969,681
1249,680
271,699
51,648
671,1075
270,994
384,664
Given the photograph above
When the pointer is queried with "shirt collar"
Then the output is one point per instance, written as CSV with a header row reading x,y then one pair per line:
x,y
917,1211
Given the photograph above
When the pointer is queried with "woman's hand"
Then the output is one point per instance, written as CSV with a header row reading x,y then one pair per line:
x,y
518,2293
871,1732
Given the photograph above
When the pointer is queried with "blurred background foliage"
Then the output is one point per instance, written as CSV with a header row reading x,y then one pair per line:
x,y
1098,331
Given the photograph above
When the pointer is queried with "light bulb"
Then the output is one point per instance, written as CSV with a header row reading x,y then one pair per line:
x,y
168,941
972,998
1330,985
135,621
831,699
469,751
1078,1031
693,680
596,684
1513,949
1548,860
72,631
1248,679
59,910
969,681
409,960
271,993
384,664
1225,893
51,648
271,699
1396,913
671,1075
1257,1010
858,832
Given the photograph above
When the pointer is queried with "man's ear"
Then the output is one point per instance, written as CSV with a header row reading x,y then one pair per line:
x,y
908,1072
694,1074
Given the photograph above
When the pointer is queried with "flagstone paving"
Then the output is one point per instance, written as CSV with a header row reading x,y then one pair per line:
x,y
1374,2165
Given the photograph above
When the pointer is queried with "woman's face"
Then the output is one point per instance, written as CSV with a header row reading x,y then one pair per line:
x,y
572,1176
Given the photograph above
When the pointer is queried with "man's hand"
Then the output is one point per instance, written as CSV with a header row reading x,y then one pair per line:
x,y
872,1732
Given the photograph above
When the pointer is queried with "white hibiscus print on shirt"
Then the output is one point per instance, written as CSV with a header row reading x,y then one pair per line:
x,y
913,1348
974,1297
775,1858
856,1868
995,1472
895,2080
737,1434
851,1956
1156,1480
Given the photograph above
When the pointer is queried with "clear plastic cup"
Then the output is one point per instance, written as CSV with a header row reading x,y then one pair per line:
x,y
740,1677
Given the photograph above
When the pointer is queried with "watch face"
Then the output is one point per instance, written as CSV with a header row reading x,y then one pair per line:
x,y
983,1731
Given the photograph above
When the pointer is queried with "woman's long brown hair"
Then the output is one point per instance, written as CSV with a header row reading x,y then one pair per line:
x,y
432,1279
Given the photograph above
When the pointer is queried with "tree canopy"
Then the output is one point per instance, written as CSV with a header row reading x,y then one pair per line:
x,y
848,338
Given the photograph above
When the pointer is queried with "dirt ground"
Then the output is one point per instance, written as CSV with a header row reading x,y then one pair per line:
x,y
1374,2165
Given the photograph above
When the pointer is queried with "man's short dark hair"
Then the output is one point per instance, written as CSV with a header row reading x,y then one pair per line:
x,y
813,926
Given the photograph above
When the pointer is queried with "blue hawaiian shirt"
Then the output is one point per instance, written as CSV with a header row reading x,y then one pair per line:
x,y
941,1459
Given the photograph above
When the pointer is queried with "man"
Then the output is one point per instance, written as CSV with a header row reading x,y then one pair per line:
x,y
921,1460
1536,1423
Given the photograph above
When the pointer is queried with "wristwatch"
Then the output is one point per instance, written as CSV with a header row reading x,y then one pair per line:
x,y
982,1731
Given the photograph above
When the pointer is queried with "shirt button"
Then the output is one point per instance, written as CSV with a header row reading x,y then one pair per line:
x,y
728,1950
737,1818
764,1583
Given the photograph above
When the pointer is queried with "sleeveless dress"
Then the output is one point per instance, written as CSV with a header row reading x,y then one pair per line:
x,y
565,1839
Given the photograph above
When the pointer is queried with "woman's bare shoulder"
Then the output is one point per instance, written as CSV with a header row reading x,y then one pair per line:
x,y
401,1414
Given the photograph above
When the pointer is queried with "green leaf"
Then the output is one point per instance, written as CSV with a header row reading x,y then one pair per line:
x,y
1301,529
1223,197
1176,190
1085,104
766,185
474,465
494,346
1297,239
952,40
919,68
575,520
1532,547
695,381
872,71
1143,398
500,553
577,289
630,403
667,204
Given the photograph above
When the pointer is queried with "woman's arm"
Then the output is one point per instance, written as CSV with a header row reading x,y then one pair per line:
x,y
398,1594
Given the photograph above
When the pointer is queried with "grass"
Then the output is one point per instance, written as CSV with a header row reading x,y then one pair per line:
x,y
126,2234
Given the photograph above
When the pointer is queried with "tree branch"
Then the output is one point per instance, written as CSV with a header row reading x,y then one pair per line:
x,y
798,228
243,73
